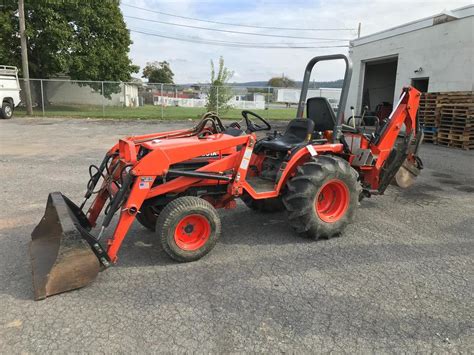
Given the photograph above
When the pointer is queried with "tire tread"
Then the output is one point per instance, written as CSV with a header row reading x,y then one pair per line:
x,y
303,187
174,210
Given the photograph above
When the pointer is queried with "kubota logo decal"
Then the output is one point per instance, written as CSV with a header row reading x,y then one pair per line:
x,y
213,154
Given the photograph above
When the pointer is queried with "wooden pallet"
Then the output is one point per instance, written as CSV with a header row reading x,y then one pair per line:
x,y
455,97
455,136
448,118
458,111
456,129
430,138
457,122
428,113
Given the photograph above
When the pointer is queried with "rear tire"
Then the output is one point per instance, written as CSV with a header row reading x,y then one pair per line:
x,y
6,112
148,216
322,197
189,228
265,205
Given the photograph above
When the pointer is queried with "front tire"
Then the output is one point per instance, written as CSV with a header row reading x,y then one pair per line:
x,y
189,228
6,112
322,197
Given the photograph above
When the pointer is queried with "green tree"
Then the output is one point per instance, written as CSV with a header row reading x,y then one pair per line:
x,y
83,40
219,94
158,72
281,82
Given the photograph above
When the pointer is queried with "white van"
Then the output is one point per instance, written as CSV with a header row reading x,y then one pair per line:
x,y
9,90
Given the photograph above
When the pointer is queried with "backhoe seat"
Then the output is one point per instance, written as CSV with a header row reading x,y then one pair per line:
x,y
297,132
319,110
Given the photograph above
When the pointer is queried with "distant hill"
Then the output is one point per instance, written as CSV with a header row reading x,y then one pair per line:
x,y
252,84
316,84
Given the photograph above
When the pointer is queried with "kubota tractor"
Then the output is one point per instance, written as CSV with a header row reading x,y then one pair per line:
x,y
172,182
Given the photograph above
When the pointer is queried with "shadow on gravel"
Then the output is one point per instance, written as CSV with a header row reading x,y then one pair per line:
x,y
421,196
465,188
441,175
427,188
368,204
142,249
449,181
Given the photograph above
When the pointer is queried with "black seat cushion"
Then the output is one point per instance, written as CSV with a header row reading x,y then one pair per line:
x,y
319,110
297,132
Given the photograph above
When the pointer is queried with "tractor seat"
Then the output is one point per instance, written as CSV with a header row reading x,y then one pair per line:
x,y
319,110
297,132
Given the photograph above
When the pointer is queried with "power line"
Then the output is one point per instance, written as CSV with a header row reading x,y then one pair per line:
x,y
283,44
259,44
231,31
240,25
234,44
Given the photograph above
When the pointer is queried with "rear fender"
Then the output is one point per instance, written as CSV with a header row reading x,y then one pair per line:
x,y
302,156
289,167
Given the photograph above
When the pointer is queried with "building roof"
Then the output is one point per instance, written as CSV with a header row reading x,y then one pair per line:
x,y
445,16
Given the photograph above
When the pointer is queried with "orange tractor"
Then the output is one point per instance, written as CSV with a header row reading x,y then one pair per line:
x,y
172,182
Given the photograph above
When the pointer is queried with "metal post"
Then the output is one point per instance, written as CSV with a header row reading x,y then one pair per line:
x,y
358,30
24,57
268,102
103,103
42,96
217,100
124,95
162,101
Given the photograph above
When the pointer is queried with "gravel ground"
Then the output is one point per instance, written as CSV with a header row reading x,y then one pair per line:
x,y
399,280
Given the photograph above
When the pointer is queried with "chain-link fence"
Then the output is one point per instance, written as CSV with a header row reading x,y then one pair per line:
x,y
106,99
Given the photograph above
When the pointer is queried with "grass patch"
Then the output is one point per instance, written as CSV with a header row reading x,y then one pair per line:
x,y
151,112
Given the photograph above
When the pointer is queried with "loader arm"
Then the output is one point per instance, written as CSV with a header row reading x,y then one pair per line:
x,y
148,169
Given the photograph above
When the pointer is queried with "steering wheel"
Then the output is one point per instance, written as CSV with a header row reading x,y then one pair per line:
x,y
254,127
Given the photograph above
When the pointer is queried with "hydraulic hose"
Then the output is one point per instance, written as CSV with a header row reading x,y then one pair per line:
x,y
117,200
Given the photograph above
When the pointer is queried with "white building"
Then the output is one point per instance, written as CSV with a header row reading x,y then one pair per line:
x,y
243,102
248,102
292,96
433,54
71,93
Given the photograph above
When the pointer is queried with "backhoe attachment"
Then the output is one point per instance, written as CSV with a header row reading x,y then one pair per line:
x,y
412,166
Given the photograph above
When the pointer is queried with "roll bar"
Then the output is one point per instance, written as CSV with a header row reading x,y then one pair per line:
x,y
344,92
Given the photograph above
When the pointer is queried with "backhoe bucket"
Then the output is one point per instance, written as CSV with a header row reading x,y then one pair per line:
x,y
406,175
62,260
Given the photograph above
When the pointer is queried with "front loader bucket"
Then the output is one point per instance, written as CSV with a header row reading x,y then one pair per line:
x,y
61,258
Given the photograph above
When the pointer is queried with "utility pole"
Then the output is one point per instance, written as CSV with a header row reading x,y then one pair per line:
x,y
358,29
24,57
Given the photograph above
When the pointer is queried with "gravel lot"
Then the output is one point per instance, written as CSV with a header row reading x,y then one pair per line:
x,y
401,279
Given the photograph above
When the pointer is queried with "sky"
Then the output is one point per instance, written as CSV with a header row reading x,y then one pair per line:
x,y
190,61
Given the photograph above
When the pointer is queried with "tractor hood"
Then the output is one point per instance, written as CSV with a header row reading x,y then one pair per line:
x,y
143,154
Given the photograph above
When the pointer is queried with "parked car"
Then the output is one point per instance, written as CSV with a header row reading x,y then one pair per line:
x,y
9,90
